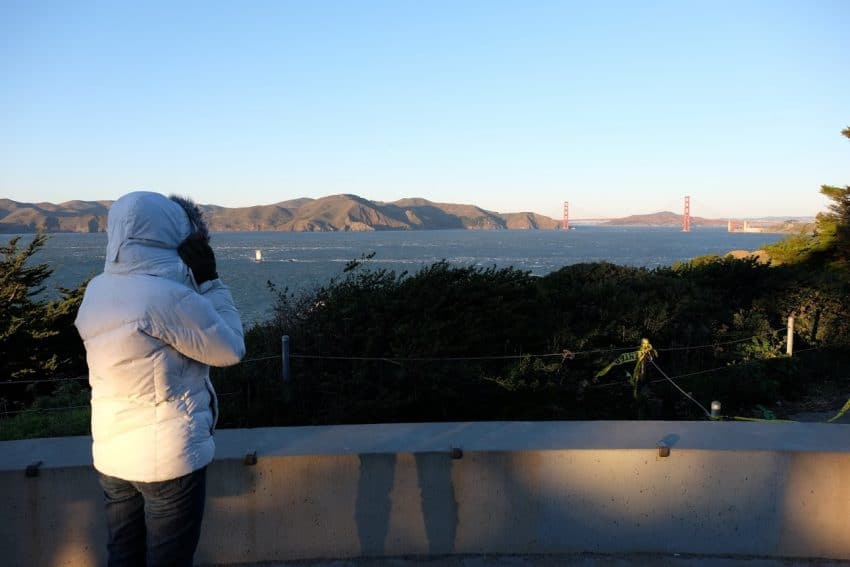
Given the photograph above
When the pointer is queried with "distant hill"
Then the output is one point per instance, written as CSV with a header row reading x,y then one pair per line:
x,y
327,214
332,214
71,216
664,218
789,225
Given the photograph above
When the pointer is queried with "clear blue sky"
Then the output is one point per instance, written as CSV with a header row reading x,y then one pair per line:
x,y
619,107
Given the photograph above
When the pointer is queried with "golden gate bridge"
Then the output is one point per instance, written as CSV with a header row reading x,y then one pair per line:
x,y
686,217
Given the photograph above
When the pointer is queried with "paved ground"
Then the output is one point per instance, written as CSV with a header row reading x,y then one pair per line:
x,y
571,560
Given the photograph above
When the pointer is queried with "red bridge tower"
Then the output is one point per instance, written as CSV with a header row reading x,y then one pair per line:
x,y
686,218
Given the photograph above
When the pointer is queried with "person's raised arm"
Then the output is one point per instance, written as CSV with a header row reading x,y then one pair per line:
x,y
204,327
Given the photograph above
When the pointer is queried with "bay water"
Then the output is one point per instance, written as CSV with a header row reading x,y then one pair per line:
x,y
303,260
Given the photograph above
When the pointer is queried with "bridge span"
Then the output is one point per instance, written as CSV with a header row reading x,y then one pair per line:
x,y
565,223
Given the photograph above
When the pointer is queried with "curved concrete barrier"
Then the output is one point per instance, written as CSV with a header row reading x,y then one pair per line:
x,y
723,488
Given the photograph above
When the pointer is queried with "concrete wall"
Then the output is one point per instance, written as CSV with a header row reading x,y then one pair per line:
x,y
764,489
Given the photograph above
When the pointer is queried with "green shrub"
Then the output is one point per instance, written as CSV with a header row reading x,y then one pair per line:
x,y
66,411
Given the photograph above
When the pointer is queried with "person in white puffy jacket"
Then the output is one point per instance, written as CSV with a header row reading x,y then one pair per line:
x,y
153,323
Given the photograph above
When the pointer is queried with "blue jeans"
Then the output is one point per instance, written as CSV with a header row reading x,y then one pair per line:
x,y
154,524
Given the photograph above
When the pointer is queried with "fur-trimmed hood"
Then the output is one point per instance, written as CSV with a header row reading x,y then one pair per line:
x,y
196,217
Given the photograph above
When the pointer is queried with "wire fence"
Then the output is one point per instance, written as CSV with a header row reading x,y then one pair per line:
x,y
43,410
564,355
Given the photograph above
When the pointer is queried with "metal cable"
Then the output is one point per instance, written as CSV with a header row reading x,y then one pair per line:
x,y
687,395
707,345
41,410
563,354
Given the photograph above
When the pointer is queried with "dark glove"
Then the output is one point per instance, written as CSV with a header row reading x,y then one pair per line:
x,y
200,258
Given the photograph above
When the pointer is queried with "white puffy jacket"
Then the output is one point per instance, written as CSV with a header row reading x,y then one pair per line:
x,y
150,334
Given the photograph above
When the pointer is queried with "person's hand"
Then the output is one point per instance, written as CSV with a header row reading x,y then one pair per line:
x,y
200,258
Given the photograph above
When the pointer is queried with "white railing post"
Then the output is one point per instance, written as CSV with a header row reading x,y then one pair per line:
x,y
789,348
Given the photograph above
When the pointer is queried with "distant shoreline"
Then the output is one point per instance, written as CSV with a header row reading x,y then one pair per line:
x,y
336,213
577,226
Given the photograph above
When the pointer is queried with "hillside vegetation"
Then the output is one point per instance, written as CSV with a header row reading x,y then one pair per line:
x,y
328,214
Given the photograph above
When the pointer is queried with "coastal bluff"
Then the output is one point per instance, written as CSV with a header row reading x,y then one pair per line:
x,y
334,213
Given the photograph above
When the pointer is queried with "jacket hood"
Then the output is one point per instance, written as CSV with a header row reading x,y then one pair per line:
x,y
143,232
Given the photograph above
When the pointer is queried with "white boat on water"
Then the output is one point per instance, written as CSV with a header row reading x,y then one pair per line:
x,y
258,256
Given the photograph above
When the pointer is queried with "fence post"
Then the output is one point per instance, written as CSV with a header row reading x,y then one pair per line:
x,y
284,347
789,348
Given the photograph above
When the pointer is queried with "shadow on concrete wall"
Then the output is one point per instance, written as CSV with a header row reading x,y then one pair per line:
x,y
438,501
373,506
377,488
